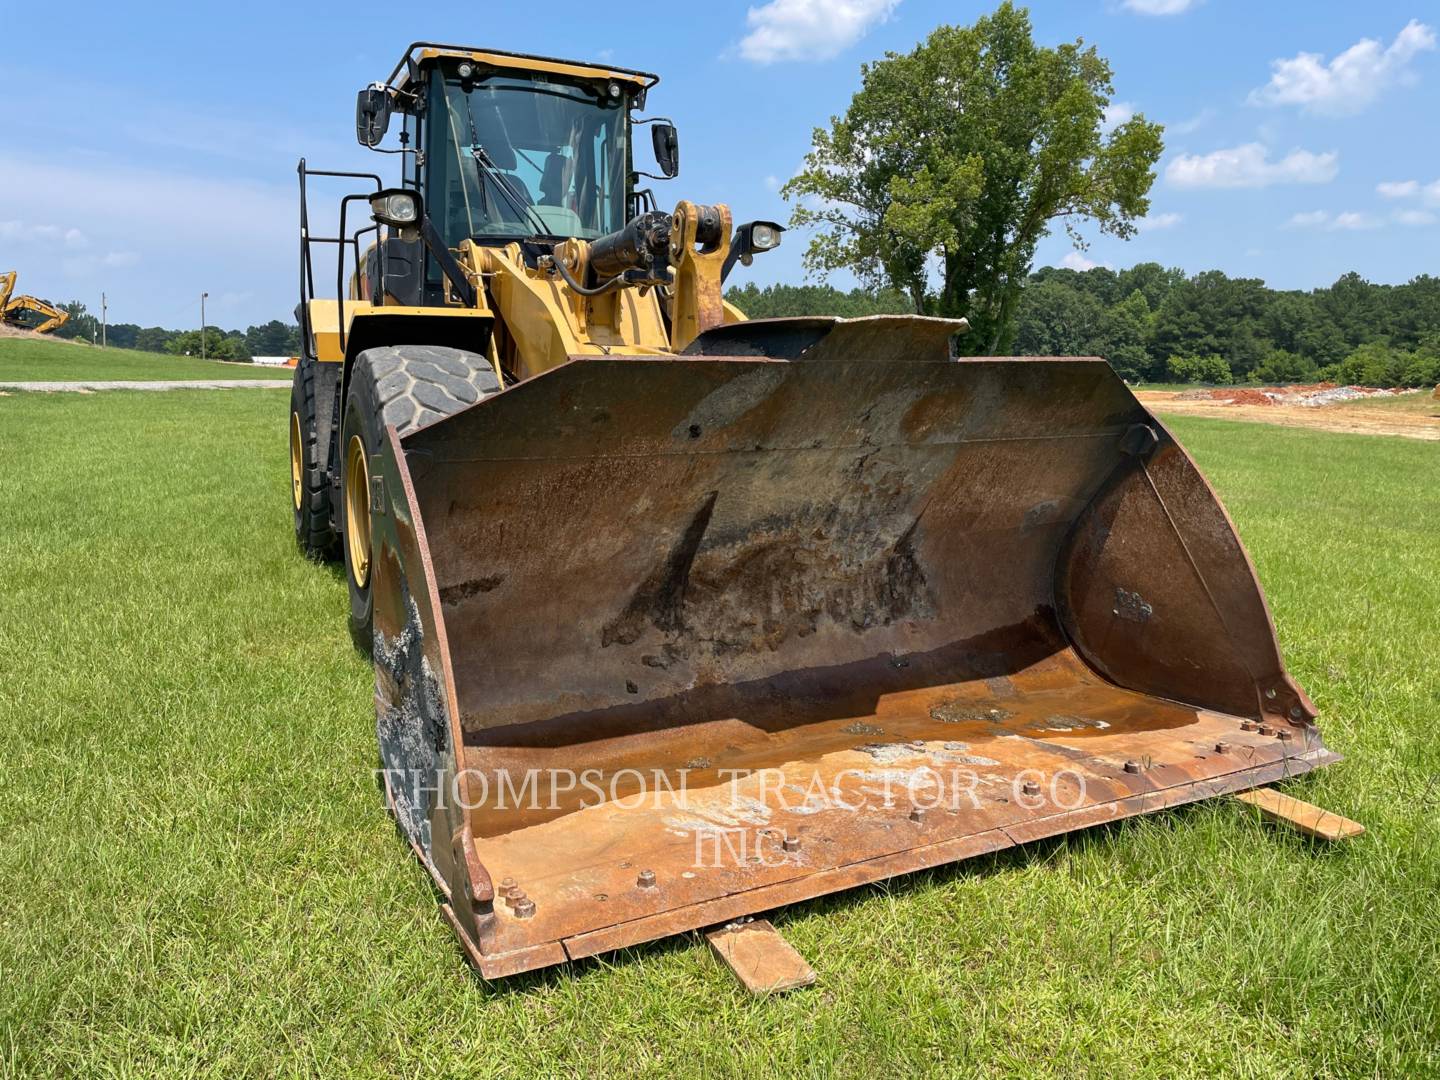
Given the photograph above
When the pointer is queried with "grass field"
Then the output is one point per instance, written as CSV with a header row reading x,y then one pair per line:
x,y
199,878
23,360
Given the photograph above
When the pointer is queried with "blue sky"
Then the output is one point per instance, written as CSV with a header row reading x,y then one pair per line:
x,y
153,156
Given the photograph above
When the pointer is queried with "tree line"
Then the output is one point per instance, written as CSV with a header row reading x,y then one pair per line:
x,y
1159,324
274,338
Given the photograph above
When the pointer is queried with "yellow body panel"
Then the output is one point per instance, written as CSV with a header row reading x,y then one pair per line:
x,y
531,64
325,321
545,322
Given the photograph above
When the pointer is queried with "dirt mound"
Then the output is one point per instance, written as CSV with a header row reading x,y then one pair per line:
x,y
1309,396
31,335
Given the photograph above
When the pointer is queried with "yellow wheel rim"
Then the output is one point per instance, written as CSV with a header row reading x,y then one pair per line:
x,y
357,511
297,462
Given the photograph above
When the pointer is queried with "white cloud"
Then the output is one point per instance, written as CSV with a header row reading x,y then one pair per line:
x,y
808,29
43,236
1192,125
1073,260
1151,222
1354,219
1398,189
1351,81
1249,166
1158,7
1116,113
773,183
86,265
1414,217
1346,221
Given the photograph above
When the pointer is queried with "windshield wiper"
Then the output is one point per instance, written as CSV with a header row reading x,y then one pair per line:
x,y
487,169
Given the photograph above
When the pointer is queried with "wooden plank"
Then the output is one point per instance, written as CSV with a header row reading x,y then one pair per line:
x,y
1308,819
759,957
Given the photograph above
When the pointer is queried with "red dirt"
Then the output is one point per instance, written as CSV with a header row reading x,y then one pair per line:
x,y
1243,395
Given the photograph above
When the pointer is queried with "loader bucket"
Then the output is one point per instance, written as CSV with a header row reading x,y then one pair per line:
x,y
661,642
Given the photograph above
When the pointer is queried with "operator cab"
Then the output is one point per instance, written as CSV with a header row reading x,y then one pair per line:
x,y
506,148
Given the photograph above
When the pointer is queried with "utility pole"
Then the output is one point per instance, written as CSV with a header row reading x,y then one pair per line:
x,y
103,309
203,295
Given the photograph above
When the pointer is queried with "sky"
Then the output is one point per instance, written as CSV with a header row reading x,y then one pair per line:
x,y
153,157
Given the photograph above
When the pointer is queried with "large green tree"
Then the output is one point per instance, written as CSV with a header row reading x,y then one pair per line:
x,y
954,160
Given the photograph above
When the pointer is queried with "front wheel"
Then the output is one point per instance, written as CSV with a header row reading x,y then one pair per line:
x,y
407,387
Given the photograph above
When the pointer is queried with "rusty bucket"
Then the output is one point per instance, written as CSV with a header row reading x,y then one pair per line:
x,y
661,642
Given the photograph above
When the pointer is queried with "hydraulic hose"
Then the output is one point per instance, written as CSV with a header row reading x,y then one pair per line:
x,y
604,287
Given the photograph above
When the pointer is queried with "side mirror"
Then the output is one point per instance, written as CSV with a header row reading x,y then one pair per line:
x,y
372,114
666,141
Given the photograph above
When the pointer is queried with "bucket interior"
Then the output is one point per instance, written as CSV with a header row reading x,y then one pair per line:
x,y
727,632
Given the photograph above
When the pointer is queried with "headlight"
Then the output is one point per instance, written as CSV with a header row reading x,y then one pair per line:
x,y
466,70
614,89
763,237
395,208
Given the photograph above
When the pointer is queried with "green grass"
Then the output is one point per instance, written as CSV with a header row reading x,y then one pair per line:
x,y
198,876
29,360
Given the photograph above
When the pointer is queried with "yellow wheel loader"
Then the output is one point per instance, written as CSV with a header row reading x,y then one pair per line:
x,y
28,312
678,617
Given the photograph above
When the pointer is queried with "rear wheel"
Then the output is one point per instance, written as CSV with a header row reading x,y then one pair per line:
x,y
309,493
407,387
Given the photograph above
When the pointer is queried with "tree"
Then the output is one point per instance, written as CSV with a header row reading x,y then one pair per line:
x,y
218,344
961,154
1357,308
1212,314
1151,279
81,325
1205,369
1126,330
154,339
274,338
1283,366
1058,320
776,301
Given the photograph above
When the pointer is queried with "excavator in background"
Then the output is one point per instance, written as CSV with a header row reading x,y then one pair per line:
x,y
28,312
677,617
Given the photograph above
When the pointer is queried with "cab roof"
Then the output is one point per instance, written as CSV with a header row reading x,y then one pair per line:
x,y
421,51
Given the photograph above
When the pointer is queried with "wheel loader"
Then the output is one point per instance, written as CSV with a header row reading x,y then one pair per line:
x,y
678,617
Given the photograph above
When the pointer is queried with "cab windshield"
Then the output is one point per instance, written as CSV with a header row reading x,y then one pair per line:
x,y
527,156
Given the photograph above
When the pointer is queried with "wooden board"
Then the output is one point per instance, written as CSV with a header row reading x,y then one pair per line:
x,y
1308,819
759,957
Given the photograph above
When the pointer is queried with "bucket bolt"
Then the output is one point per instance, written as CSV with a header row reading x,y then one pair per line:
x,y
1132,766
1249,725
790,843
646,879
1222,748
917,815
524,908
1030,787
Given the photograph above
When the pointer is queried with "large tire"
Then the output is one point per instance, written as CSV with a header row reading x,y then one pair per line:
x,y
310,494
407,387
